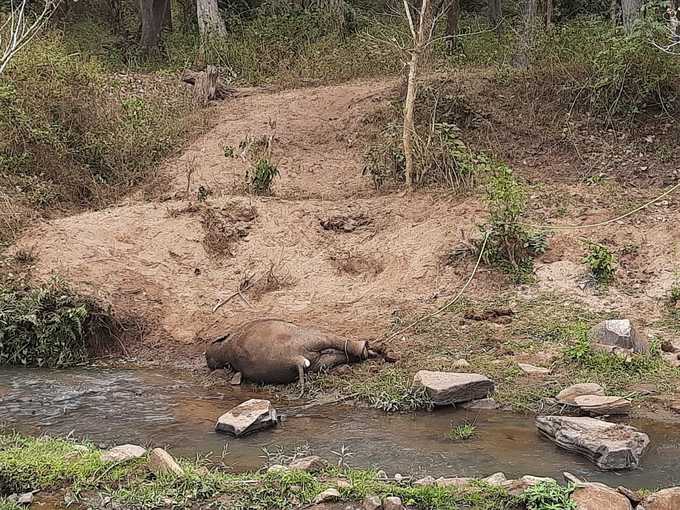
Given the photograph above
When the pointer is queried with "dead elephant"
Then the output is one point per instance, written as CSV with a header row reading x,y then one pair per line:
x,y
274,351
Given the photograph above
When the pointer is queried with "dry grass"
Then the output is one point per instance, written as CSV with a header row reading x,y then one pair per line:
x,y
277,277
354,263
225,226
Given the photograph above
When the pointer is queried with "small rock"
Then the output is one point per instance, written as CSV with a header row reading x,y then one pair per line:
x,y
123,453
667,346
672,359
446,388
423,482
567,395
483,404
250,416
392,503
618,333
371,503
461,363
533,370
25,498
236,379
277,468
496,479
327,496
398,478
610,446
596,405
454,482
666,499
312,464
596,496
162,463
633,496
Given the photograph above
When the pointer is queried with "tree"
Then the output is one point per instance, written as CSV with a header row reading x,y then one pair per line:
x,y
421,41
521,57
153,13
452,17
495,13
210,23
18,30
630,11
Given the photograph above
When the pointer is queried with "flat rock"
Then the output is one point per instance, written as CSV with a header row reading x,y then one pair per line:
x,y
371,503
162,463
248,417
446,388
481,405
596,496
610,446
598,405
533,370
277,468
618,333
312,464
666,499
496,479
123,453
567,395
517,487
392,503
327,496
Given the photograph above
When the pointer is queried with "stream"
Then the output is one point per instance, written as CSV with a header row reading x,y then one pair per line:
x,y
154,407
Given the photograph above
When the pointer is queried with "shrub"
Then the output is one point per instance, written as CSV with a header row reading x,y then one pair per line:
x,y
510,245
549,496
601,262
50,326
261,177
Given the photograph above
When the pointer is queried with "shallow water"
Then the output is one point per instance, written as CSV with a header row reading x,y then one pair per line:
x,y
164,409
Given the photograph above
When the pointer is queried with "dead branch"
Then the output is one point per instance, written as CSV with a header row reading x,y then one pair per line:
x,y
207,84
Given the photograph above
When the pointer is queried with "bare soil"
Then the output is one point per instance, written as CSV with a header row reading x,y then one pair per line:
x,y
149,257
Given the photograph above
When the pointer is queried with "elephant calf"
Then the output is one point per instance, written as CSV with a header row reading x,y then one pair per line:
x,y
274,351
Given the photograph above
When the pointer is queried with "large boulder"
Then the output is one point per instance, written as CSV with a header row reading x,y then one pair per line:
x,y
616,335
596,496
597,405
610,446
568,395
666,499
446,388
248,417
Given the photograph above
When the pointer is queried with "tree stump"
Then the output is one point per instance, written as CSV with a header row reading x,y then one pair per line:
x,y
207,84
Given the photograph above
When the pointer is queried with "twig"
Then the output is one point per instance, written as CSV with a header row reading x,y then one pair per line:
x,y
224,301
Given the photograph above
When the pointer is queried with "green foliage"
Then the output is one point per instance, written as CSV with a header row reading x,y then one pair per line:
x,y
463,432
6,504
549,496
510,245
601,262
261,177
392,391
49,326
674,294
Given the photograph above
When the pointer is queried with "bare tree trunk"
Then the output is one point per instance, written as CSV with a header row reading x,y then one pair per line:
x,y
495,13
210,23
549,8
167,16
630,11
452,17
522,57
421,40
153,12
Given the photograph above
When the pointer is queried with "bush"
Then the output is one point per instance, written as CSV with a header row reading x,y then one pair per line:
x,y
601,262
50,326
261,177
549,496
510,245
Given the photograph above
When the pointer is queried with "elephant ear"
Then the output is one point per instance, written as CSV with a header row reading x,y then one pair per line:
x,y
220,339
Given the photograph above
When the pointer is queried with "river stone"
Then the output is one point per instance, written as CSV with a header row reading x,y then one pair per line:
x,y
371,503
123,453
610,446
162,463
250,416
568,395
666,499
632,495
533,370
392,503
597,405
618,333
446,388
311,464
517,487
453,482
483,404
425,482
327,495
496,479
597,496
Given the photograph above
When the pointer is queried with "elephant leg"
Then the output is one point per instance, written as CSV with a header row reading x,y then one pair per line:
x,y
329,360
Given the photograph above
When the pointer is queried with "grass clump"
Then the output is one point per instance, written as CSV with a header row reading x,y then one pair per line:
x,y
6,504
549,496
50,326
510,245
261,177
392,391
601,262
463,432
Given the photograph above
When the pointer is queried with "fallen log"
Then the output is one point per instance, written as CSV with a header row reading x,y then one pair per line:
x,y
208,86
